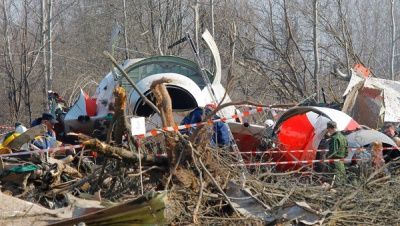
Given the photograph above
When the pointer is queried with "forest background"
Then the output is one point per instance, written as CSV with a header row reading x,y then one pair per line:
x,y
275,51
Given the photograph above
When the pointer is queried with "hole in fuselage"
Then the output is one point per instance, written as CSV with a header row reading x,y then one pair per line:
x,y
182,100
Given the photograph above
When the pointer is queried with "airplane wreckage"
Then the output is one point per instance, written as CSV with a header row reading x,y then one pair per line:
x,y
294,141
298,128
371,101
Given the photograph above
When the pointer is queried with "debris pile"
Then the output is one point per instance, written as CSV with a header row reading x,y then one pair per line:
x,y
201,187
176,179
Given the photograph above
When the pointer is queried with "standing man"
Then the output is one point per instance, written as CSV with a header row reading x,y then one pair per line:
x,y
48,139
337,150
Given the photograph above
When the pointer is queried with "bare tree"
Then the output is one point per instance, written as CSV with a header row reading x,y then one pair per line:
x,y
21,42
393,40
316,55
49,45
125,34
277,50
43,42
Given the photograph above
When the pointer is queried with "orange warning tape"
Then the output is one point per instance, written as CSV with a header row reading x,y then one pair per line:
x,y
296,162
187,126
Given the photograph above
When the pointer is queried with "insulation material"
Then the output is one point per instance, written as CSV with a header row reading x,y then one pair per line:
x,y
391,93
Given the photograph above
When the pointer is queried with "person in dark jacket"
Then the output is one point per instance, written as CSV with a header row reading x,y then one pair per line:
x,y
48,139
390,131
220,131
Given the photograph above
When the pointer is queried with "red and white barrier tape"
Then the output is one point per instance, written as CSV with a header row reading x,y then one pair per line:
x,y
187,126
42,150
296,162
291,151
275,152
290,162
7,127
270,107
297,151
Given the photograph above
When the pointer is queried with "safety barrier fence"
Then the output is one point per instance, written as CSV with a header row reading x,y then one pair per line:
x,y
298,162
275,151
187,126
273,112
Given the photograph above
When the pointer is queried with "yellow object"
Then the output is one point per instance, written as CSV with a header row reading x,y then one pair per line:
x,y
9,139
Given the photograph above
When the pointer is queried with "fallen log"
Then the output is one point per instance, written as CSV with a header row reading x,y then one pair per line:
x,y
164,105
179,171
120,153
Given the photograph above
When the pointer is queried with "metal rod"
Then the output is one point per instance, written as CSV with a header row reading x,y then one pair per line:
x,y
132,83
212,94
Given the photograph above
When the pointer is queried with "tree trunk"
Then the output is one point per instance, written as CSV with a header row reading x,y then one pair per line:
x,y
164,104
392,43
9,63
43,53
50,47
316,57
120,153
125,34
232,44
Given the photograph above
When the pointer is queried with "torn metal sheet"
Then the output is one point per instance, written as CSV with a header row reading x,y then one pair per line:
x,y
145,210
376,99
365,137
356,78
368,107
391,92
301,212
247,136
251,207
303,128
246,204
12,207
